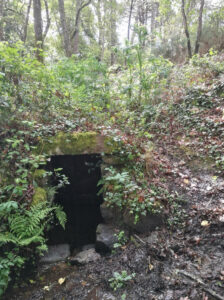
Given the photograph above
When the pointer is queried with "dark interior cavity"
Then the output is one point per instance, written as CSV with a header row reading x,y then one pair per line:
x,y
79,199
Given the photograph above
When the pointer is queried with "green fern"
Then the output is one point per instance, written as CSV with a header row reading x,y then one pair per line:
x,y
28,227
21,229
7,238
61,216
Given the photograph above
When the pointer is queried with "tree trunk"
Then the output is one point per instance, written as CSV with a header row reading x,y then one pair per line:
x,y
27,21
38,29
186,29
1,19
113,35
75,36
101,29
48,20
77,26
129,19
64,27
199,31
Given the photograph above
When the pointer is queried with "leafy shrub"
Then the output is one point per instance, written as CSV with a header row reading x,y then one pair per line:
x,y
119,280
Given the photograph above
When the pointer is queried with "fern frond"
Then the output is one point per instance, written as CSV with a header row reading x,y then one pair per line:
x,y
61,216
8,238
34,239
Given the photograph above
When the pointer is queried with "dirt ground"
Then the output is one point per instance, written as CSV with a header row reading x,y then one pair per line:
x,y
183,262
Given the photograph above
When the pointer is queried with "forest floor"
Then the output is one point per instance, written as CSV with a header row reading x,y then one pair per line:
x,y
182,263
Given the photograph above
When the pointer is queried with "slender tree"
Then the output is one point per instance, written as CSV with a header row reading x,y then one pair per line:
x,y
1,19
64,27
101,29
40,34
199,31
130,17
186,29
113,28
48,20
27,21
80,5
38,28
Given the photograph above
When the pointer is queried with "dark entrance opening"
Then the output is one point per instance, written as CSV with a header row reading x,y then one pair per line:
x,y
79,199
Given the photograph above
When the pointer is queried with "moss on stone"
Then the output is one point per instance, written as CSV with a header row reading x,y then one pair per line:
x,y
78,143
40,195
39,177
39,173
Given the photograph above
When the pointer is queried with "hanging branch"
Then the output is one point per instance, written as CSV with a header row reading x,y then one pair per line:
x,y
48,20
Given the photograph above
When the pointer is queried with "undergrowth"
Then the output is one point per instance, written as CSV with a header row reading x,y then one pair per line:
x,y
149,105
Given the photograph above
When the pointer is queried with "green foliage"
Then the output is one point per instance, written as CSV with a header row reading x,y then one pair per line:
x,y
121,238
146,76
122,191
119,280
23,229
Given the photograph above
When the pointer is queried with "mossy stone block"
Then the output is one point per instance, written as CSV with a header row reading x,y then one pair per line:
x,y
78,143
40,195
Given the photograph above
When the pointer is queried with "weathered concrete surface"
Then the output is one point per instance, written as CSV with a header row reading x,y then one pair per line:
x,y
56,253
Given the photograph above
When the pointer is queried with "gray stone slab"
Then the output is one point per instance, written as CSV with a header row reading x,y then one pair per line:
x,y
56,253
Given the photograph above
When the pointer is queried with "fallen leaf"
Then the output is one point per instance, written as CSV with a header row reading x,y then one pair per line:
x,y
61,280
151,267
83,283
46,288
186,181
205,223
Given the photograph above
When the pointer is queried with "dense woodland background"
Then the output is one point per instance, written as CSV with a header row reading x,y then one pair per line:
x,y
174,29
147,73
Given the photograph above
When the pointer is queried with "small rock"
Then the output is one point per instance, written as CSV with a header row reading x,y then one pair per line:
x,y
85,257
110,215
87,247
98,294
145,224
152,238
56,253
221,219
169,295
105,237
107,296
194,294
